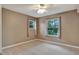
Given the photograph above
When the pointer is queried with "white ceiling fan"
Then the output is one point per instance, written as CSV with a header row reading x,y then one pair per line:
x,y
40,8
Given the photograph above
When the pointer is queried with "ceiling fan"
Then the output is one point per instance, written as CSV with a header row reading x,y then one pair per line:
x,y
42,8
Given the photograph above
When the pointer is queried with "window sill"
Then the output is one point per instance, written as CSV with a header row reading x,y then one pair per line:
x,y
53,35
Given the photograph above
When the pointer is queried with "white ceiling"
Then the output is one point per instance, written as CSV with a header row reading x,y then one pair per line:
x,y
31,9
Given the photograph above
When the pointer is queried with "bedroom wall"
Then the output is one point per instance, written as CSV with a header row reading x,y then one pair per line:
x,y
14,28
69,27
0,28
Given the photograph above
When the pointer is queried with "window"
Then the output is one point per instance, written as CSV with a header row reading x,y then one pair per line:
x,y
53,27
32,24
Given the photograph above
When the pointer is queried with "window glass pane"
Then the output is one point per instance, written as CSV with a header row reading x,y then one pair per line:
x,y
32,24
53,26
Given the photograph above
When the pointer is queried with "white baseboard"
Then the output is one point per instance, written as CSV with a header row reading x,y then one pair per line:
x,y
40,40
13,45
64,44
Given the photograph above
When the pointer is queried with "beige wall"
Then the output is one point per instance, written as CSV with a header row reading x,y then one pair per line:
x,y
69,27
0,29
14,27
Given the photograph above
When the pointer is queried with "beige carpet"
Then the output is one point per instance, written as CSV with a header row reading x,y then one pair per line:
x,y
40,48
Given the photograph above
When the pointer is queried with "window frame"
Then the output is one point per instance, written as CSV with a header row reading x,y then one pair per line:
x,y
34,23
59,31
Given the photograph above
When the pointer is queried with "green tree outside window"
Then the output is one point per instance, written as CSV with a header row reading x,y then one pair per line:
x,y
53,26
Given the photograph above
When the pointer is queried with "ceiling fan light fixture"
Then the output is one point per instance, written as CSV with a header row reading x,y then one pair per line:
x,y
41,11
41,8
